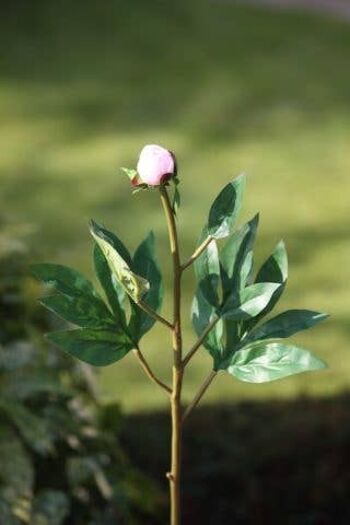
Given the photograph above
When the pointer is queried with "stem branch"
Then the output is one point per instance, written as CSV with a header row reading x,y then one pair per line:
x,y
197,252
199,395
199,342
147,369
154,314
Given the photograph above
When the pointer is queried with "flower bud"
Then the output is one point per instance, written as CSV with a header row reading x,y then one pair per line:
x,y
155,165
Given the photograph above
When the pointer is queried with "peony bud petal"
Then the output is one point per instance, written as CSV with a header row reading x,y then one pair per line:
x,y
155,165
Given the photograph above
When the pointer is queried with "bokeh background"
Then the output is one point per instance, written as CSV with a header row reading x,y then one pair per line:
x,y
228,87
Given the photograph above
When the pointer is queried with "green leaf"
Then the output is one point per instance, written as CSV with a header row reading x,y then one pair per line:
x,y
65,280
275,268
130,173
202,313
133,284
236,257
50,507
96,347
82,311
225,209
17,469
114,291
25,385
113,240
286,324
249,302
33,428
265,362
146,265
207,270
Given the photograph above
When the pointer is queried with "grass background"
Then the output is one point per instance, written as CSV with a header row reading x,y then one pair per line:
x,y
84,85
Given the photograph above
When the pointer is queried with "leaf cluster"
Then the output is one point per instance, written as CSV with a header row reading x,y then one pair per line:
x,y
107,328
229,307
236,300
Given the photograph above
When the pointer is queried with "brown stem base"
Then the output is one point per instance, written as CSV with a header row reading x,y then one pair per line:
x,y
174,475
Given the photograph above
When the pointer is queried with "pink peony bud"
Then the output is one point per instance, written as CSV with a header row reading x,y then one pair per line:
x,y
155,165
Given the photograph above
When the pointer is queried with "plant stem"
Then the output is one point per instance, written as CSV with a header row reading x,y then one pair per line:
x,y
154,314
199,394
176,422
149,372
199,342
197,252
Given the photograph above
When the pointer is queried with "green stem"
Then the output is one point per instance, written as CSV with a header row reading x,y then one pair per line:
x,y
175,469
199,395
200,341
154,314
197,252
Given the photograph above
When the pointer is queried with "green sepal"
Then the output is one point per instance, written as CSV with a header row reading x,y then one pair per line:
x,y
176,197
130,173
139,187
286,324
225,208
249,302
145,264
96,347
264,362
133,284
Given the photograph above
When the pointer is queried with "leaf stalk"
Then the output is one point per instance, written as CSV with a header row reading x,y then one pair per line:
x,y
147,369
200,341
199,394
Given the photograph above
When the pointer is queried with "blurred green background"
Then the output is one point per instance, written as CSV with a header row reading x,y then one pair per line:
x,y
84,85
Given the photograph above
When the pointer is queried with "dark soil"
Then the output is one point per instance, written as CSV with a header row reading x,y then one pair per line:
x,y
262,463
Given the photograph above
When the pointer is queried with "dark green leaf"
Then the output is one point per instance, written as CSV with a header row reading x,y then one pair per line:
x,y
33,428
207,269
96,347
114,291
275,268
146,266
134,285
17,470
236,258
286,324
232,332
202,314
265,362
225,208
50,507
81,310
6,512
65,280
249,302
16,355
23,385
